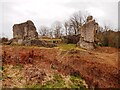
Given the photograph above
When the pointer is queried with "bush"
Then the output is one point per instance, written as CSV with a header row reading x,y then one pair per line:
x,y
109,38
73,39
4,40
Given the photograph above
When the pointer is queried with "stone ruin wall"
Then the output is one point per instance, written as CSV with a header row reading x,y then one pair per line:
x,y
26,34
88,32
24,31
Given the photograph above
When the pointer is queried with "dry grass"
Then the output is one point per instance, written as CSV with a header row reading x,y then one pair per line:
x,y
98,67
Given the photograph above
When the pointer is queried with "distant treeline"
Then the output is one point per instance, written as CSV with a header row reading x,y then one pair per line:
x,y
109,38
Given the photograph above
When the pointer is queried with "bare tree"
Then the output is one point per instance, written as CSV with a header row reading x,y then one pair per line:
x,y
44,31
71,30
51,33
67,27
77,20
57,26
85,15
106,28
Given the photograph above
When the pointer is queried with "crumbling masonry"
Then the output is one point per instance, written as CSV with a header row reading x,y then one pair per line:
x,y
24,31
88,32
26,34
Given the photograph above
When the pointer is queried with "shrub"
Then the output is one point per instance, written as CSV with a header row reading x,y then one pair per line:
x,y
73,39
109,38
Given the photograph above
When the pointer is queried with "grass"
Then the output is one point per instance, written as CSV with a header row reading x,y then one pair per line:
x,y
28,47
56,82
51,39
1,68
18,66
67,46
77,82
59,82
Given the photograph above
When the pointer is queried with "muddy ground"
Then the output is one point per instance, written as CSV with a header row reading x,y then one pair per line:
x,y
97,68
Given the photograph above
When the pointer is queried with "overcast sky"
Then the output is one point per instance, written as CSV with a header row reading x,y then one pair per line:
x,y
45,12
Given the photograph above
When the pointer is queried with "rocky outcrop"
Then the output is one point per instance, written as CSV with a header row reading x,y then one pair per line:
x,y
88,31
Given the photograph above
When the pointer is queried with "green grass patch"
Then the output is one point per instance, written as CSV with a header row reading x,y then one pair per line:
x,y
18,66
4,77
56,82
34,86
59,82
77,82
51,39
1,68
67,46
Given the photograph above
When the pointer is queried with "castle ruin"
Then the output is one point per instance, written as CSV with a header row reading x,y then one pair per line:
x,y
26,34
24,31
88,32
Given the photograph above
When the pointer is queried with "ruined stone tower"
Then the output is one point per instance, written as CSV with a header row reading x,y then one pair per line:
x,y
88,31
25,31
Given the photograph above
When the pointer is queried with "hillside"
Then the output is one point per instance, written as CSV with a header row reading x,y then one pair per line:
x,y
39,67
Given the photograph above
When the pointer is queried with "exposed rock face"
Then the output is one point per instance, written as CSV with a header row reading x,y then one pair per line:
x,y
88,31
24,31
